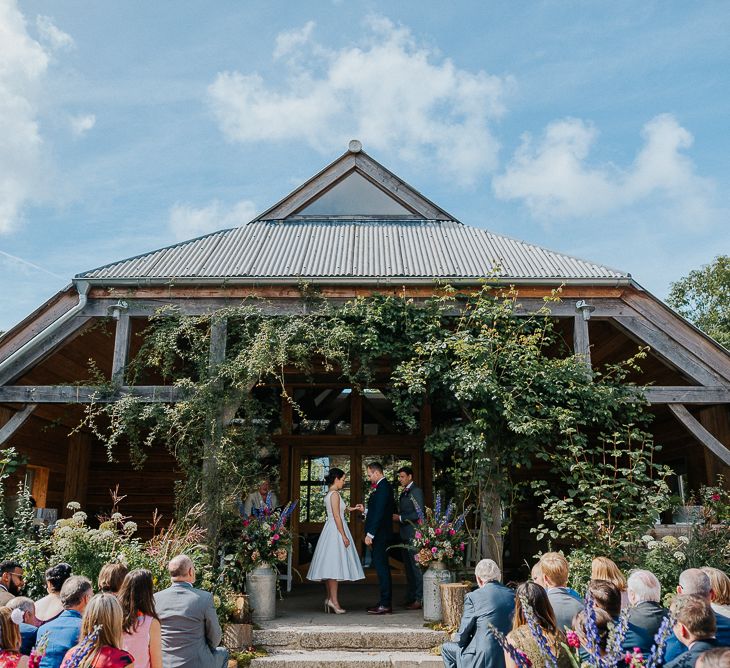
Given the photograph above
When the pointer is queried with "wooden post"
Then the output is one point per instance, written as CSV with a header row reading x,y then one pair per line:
x,y
581,340
121,349
452,603
78,459
211,484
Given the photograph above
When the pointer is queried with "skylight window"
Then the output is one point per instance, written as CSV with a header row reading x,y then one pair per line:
x,y
355,195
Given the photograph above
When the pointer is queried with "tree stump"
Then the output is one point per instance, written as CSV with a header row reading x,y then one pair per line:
x,y
452,603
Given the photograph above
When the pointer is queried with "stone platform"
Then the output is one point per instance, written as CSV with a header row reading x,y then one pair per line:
x,y
304,636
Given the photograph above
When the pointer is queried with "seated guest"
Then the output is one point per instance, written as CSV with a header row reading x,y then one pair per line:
x,y
695,582
720,584
522,639
714,658
646,613
603,568
604,623
566,603
62,633
111,577
189,623
28,625
12,580
140,623
694,627
50,606
10,656
606,596
257,500
536,575
474,645
102,622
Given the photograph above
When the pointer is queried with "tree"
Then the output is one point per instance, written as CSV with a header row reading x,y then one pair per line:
x,y
703,297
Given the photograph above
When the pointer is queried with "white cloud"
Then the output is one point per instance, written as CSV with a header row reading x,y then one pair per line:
x,y
52,35
23,64
554,179
81,124
390,92
187,222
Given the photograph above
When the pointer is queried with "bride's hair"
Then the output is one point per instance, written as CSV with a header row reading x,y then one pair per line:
x,y
332,475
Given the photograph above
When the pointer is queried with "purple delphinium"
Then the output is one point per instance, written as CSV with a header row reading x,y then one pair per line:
x,y
614,653
520,658
551,660
419,511
593,638
660,642
84,648
437,508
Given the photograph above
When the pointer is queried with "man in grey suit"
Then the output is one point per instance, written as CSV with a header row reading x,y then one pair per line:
x,y
407,517
474,645
190,628
565,601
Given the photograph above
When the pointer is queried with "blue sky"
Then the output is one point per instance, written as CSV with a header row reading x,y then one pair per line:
x,y
595,129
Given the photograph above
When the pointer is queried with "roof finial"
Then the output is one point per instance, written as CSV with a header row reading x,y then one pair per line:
x,y
354,146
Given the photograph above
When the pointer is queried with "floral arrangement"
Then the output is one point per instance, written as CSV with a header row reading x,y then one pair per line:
x,y
265,538
715,502
440,534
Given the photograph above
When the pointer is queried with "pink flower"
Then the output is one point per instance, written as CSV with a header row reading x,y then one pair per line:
x,y
573,639
276,536
425,542
420,521
715,497
627,657
452,532
246,523
462,546
434,550
438,532
419,535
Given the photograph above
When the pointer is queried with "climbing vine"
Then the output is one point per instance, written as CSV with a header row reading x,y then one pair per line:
x,y
505,389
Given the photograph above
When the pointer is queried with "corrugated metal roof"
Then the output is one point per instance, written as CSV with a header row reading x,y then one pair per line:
x,y
343,249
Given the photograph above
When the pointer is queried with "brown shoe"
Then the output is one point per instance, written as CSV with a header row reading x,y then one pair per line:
x,y
380,610
416,605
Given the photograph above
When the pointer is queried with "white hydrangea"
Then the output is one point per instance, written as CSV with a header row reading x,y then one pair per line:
x,y
73,505
653,545
117,517
79,517
647,538
130,527
681,557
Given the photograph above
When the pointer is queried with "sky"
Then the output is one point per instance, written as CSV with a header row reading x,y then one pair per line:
x,y
597,129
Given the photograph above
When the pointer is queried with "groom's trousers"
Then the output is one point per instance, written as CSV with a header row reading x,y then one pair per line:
x,y
382,568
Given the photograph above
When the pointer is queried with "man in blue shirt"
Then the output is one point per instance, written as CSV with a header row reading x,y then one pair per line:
x,y
62,633
694,627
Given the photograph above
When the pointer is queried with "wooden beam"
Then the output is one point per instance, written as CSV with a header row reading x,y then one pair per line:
x,y
65,333
687,395
672,352
15,422
121,348
700,433
78,460
86,394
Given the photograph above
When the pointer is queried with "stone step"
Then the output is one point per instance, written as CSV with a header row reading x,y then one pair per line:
x,y
362,659
367,638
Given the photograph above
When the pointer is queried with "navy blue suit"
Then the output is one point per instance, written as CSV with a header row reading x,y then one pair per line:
x,y
379,524
675,648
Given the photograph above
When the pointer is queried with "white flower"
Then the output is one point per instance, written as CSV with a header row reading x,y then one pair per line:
x,y
73,505
117,517
647,538
79,517
681,557
683,539
130,527
653,545
107,534
670,540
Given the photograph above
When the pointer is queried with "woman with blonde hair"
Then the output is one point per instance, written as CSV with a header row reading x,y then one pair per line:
x,y
100,640
10,656
541,617
720,583
603,568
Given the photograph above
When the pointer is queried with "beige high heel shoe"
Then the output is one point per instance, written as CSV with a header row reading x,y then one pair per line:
x,y
329,606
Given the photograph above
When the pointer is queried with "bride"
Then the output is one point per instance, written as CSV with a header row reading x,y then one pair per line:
x,y
335,557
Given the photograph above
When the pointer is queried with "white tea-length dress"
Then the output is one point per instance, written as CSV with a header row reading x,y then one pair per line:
x,y
332,560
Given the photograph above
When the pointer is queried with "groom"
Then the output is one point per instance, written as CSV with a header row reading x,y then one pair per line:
x,y
378,529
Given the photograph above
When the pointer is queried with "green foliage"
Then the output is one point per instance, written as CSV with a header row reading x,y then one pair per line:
x,y
16,515
703,297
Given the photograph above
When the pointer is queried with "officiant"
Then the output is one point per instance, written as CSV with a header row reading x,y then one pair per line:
x,y
407,518
256,500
